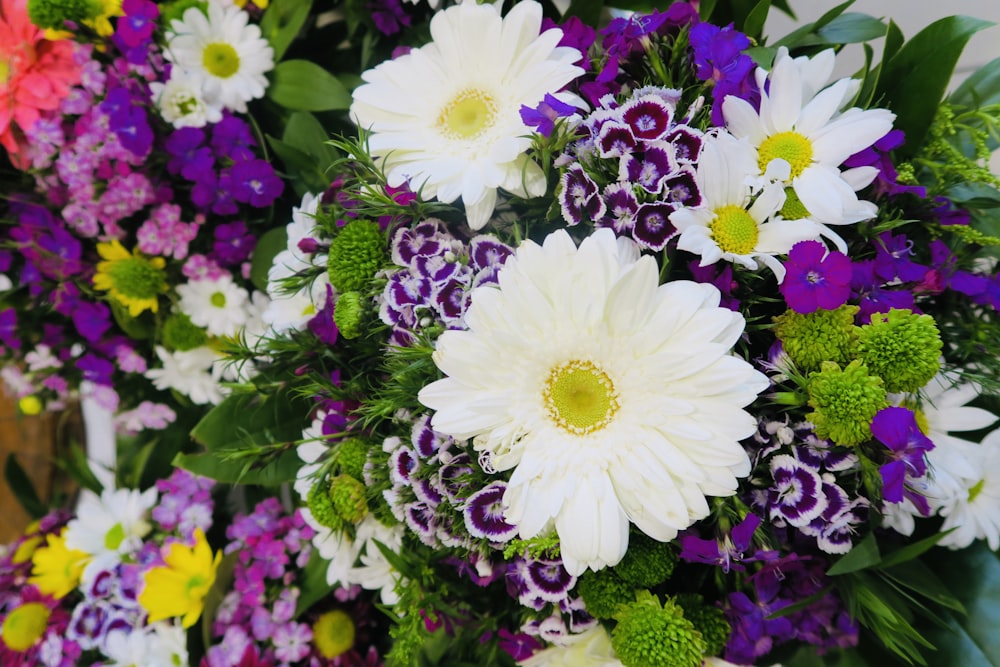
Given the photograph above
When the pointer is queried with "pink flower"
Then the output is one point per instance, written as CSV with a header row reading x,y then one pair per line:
x,y
35,75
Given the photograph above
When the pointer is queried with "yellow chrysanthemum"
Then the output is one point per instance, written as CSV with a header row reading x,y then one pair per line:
x,y
134,280
179,587
57,569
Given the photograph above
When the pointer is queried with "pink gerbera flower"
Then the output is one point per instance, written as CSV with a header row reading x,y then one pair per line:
x,y
35,74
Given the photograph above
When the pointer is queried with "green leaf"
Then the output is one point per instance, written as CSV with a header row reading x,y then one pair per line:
x,y
78,468
973,576
247,420
852,28
313,586
137,328
22,488
216,594
588,11
916,576
914,80
981,88
232,471
806,34
754,23
282,22
304,132
974,195
268,246
865,554
911,551
302,85
299,166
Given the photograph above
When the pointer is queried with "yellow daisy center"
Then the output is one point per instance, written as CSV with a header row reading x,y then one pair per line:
x,y
789,146
221,60
114,537
333,633
30,405
734,230
468,115
580,397
25,626
218,299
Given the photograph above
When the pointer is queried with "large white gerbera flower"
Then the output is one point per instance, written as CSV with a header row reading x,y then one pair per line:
x,y
802,137
737,221
612,398
446,117
224,52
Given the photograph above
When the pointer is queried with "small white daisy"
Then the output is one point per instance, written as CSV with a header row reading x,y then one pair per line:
x,y
587,649
181,103
193,373
217,304
802,137
113,523
445,118
613,399
222,51
737,222
975,514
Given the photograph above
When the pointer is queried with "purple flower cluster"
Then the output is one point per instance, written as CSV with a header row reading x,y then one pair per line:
x,y
110,603
437,274
816,278
185,503
634,168
719,58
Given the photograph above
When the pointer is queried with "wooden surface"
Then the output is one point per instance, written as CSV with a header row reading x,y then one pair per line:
x,y
34,441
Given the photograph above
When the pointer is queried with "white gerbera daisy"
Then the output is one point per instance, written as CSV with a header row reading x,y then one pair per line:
x,y
221,50
975,514
193,373
446,117
802,137
737,222
113,523
612,398
181,103
217,304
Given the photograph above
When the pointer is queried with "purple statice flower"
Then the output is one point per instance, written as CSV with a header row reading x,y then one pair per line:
x,y
543,117
388,15
92,320
873,295
730,552
815,279
578,197
185,503
233,244
892,261
719,58
254,182
897,429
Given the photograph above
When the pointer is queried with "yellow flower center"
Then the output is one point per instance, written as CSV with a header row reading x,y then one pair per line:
x,y
789,146
114,537
30,405
218,300
221,60
468,115
25,626
580,397
976,490
793,208
333,633
734,230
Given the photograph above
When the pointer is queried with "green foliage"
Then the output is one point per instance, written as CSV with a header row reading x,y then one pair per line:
x,y
302,85
282,23
269,244
24,491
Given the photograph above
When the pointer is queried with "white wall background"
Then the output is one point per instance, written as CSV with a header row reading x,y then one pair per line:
x,y
910,16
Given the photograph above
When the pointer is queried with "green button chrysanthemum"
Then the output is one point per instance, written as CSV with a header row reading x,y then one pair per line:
x,y
349,313
55,13
321,507
823,335
651,635
647,562
901,347
845,401
348,498
708,620
181,334
356,253
604,592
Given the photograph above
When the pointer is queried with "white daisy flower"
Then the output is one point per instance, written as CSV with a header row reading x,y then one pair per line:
x,y
222,51
611,397
975,515
181,103
113,523
587,649
158,645
217,304
446,117
193,373
736,222
802,137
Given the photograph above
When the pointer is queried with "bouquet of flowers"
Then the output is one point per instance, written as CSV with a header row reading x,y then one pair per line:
x,y
652,345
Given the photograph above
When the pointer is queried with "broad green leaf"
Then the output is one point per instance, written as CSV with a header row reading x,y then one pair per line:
x,y
268,246
302,85
916,576
852,28
252,420
22,488
233,471
865,554
304,132
299,167
588,11
313,586
806,34
754,23
914,80
705,9
894,41
981,88
910,551
282,22
137,328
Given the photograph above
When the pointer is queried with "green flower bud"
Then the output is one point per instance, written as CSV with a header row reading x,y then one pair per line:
x,y
604,592
181,334
823,335
902,348
321,507
348,498
647,562
352,453
356,253
709,621
651,635
844,402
